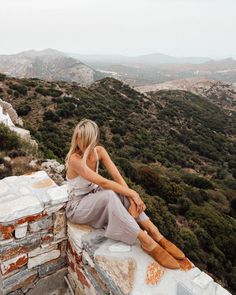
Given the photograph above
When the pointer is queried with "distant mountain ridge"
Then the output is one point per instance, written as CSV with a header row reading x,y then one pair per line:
x,y
158,68
51,65
48,64
154,58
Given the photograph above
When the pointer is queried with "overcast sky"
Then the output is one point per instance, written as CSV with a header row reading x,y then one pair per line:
x,y
127,27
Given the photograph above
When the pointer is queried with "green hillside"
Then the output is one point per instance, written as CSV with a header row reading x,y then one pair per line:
x,y
175,148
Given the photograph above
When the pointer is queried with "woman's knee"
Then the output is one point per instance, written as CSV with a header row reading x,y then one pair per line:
x,y
107,196
111,195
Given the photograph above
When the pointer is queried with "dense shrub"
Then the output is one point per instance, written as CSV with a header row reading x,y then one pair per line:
x,y
50,115
198,196
16,153
23,110
9,139
48,91
190,241
20,88
159,185
184,205
197,181
204,239
233,204
118,141
128,168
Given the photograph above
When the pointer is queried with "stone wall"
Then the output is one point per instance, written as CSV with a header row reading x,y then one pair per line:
x,y
33,236
41,252
97,265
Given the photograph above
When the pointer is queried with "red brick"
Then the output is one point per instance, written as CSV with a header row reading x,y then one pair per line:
x,y
17,264
47,238
81,277
70,263
7,231
19,280
78,258
13,252
31,218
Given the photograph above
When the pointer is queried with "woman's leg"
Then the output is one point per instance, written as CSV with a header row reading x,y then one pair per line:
x,y
159,238
144,221
151,229
105,209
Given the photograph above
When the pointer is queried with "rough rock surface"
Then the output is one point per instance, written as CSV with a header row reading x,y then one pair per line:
x,y
8,108
33,237
97,265
52,167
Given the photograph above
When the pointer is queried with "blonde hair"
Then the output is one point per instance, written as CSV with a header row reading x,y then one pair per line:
x,y
89,138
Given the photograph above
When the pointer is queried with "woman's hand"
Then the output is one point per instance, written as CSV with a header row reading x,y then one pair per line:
x,y
133,209
138,201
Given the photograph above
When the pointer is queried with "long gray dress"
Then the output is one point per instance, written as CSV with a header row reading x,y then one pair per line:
x,y
91,204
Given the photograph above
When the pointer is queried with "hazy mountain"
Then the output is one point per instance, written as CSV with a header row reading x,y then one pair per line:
x,y
220,93
142,74
148,59
48,64
96,59
158,58
158,68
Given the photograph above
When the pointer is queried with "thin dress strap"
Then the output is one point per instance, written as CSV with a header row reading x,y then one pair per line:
x,y
96,158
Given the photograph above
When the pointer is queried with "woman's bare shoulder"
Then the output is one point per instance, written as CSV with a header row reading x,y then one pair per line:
x,y
100,149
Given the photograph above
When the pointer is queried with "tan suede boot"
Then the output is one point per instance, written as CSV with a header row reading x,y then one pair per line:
x,y
163,257
171,248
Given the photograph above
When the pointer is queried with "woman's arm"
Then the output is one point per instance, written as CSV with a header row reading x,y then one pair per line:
x,y
111,167
135,207
90,175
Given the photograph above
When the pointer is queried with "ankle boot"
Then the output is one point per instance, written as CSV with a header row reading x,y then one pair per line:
x,y
163,257
171,248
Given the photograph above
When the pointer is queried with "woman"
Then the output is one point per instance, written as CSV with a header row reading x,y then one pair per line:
x,y
108,204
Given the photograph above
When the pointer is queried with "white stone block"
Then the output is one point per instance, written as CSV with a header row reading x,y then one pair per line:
x,y
193,273
119,247
75,247
11,179
59,230
203,280
45,257
58,194
52,209
21,230
37,174
3,187
24,191
6,265
56,242
221,291
41,250
44,223
15,208
4,242
87,258
76,231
